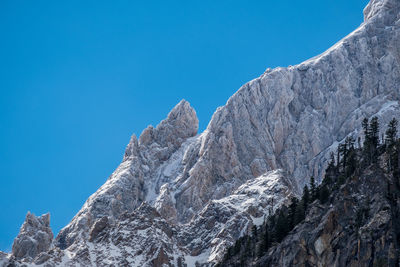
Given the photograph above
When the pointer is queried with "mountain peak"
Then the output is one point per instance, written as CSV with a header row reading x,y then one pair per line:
x,y
35,236
379,8
184,115
181,123
178,198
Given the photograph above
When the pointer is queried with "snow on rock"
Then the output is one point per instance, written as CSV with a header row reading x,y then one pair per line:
x,y
223,221
136,178
35,236
146,238
196,193
380,8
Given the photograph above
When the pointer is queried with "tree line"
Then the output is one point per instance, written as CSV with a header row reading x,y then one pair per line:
x,y
349,160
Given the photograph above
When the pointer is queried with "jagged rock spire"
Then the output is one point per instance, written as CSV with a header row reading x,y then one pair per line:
x,y
132,149
289,118
35,236
181,123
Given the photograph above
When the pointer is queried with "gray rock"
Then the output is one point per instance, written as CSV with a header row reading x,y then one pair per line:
x,y
35,236
98,227
288,118
359,228
128,186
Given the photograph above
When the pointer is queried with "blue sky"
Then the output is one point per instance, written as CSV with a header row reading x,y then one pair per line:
x,y
77,78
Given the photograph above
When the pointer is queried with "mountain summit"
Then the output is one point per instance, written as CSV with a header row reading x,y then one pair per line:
x,y
179,197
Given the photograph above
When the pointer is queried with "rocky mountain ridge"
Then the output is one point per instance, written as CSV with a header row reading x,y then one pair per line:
x,y
179,192
350,219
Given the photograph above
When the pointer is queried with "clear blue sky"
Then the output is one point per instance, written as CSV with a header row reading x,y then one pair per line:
x,y
78,78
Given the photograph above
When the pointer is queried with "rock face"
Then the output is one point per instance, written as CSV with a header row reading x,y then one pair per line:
x,y
144,237
356,223
288,118
359,228
34,237
137,178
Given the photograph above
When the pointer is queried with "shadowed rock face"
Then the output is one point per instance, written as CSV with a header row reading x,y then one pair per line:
x,y
34,237
359,228
288,118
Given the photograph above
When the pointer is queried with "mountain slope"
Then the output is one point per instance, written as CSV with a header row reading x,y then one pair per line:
x,y
288,118
353,221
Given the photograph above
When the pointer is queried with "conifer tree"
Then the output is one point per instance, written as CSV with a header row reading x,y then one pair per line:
x,y
228,254
260,250
254,231
237,246
351,156
371,139
292,212
374,132
313,189
247,248
390,141
330,170
323,193
331,164
342,149
265,240
365,126
282,226
305,198
374,137
300,213
391,133
367,141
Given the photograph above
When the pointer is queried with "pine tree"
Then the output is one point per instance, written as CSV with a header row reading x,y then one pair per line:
x,y
374,132
330,170
265,242
254,231
292,212
305,198
247,248
390,141
367,141
351,156
228,254
323,194
313,189
365,126
391,133
260,250
282,226
371,139
300,213
374,137
331,164
237,246
343,151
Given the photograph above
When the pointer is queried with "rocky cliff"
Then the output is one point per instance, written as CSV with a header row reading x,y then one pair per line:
x,y
35,237
178,184
358,228
353,221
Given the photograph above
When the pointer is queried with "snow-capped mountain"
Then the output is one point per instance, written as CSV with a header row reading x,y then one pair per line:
x,y
180,197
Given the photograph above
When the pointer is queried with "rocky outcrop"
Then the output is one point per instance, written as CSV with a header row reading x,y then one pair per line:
x,y
145,237
35,236
130,184
224,220
359,227
288,118
98,227
4,258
